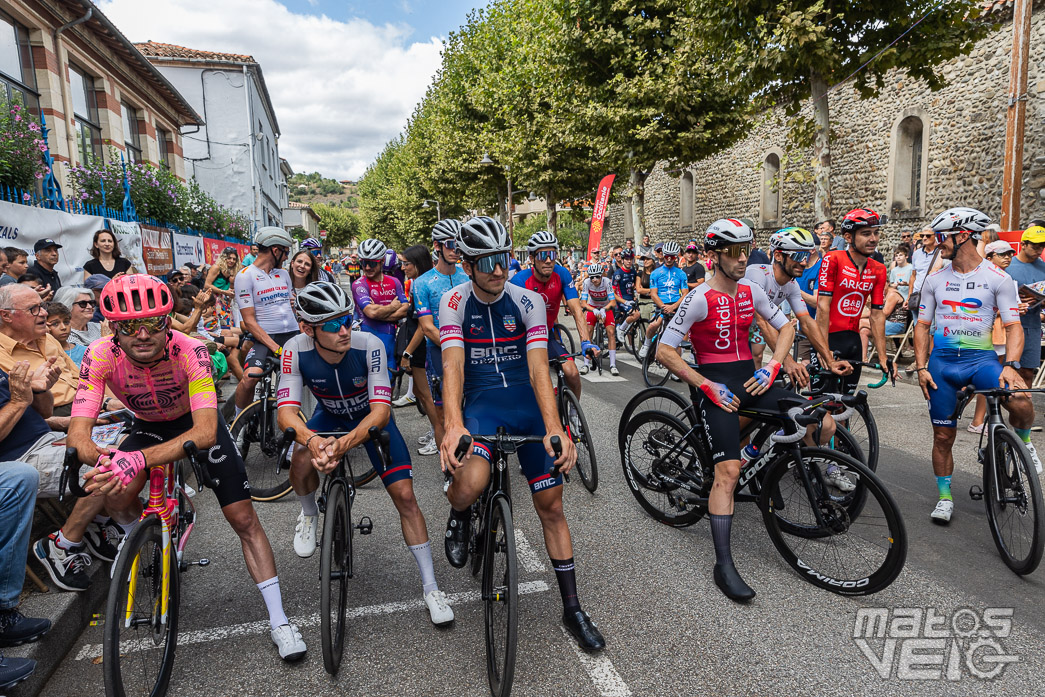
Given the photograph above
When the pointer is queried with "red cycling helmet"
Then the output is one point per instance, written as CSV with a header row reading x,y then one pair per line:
x,y
860,218
136,296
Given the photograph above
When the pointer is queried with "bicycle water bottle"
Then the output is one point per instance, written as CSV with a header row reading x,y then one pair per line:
x,y
748,455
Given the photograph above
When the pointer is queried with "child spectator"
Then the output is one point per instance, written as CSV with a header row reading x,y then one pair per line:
x,y
59,324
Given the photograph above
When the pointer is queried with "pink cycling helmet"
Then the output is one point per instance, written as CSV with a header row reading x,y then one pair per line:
x,y
136,296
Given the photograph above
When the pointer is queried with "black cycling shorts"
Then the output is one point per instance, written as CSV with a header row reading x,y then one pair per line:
x,y
223,460
849,348
259,352
722,427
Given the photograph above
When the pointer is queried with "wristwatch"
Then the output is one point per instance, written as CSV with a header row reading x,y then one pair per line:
x,y
407,355
1015,365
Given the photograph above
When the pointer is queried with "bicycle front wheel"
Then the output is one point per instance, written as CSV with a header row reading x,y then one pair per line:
x,y
565,338
501,598
576,427
1014,511
864,429
653,373
635,336
814,532
335,568
260,454
139,640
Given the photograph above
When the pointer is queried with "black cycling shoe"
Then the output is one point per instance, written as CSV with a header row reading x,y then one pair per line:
x,y
456,541
16,628
729,582
584,630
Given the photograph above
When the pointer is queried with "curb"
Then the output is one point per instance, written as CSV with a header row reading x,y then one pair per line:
x,y
69,612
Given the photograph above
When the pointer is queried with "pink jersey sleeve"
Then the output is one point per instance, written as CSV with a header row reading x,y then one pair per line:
x,y
95,369
197,365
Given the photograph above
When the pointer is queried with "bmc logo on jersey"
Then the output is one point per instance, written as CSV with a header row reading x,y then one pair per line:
x,y
454,302
968,306
509,323
288,357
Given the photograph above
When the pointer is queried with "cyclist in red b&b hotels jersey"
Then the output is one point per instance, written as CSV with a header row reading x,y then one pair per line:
x,y
849,279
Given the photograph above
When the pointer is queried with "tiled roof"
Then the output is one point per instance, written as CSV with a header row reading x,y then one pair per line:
x,y
297,204
996,6
154,49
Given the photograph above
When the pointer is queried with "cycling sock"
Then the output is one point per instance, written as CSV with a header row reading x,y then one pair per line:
x,y
944,485
238,410
646,342
720,529
127,528
624,326
308,504
273,602
423,556
613,357
410,387
64,542
1023,433
566,575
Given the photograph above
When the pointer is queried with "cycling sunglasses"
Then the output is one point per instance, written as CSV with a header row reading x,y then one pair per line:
x,y
595,276
738,250
334,325
671,257
800,257
545,255
449,244
488,263
367,263
941,237
153,325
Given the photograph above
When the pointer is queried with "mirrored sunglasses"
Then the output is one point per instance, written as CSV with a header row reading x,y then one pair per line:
x,y
545,255
334,325
153,325
368,263
738,250
487,264
800,257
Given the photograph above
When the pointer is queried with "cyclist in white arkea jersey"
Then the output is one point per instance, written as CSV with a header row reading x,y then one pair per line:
x,y
263,296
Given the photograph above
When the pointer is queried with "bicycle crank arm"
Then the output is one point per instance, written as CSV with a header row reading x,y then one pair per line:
x,y
201,562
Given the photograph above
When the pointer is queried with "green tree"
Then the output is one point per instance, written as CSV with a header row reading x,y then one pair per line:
x,y
340,223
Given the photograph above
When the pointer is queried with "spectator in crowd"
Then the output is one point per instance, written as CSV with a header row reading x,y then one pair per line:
x,y
907,240
58,317
3,262
17,264
629,244
95,283
176,284
192,273
900,274
615,258
46,251
249,259
691,264
828,227
1028,269
645,249
32,280
82,304
105,259
303,270
219,281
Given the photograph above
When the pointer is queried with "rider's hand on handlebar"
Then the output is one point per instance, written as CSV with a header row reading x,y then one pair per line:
x,y
324,452
1011,379
114,471
720,395
840,367
568,458
796,371
451,439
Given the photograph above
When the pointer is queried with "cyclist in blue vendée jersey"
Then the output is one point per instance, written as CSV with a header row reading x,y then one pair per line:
x,y
495,362
666,286
427,291
964,299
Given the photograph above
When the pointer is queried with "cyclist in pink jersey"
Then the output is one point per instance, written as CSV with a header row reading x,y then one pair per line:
x,y
164,377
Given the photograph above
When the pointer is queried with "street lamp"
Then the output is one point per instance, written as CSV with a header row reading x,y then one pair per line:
x,y
438,214
508,175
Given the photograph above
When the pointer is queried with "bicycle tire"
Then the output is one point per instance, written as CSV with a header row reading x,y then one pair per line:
x,y
139,557
865,431
1013,462
577,430
649,439
335,568
565,338
266,484
653,399
811,548
501,598
364,477
635,337
653,373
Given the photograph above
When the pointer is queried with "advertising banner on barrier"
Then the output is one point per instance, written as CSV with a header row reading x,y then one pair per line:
x,y
23,226
187,248
157,250
213,247
129,237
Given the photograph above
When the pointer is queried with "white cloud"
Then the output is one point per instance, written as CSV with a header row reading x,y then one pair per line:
x,y
341,90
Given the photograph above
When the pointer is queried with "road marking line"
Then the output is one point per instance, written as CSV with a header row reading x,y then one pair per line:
x,y
627,358
531,561
600,669
89,651
595,377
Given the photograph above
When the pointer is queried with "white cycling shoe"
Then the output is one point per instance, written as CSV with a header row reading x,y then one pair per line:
x,y
288,640
943,511
439,608
620,335
305,535
1034,456
583,370
643,351
613,370
836,478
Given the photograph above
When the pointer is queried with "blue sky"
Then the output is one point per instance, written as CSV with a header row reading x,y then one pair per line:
x,y
427,18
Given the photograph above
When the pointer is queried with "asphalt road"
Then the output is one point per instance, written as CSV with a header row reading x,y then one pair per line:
x,y
669,630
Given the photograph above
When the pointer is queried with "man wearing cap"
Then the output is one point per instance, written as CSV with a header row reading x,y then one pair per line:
x,y
1029,270
690,263
46,251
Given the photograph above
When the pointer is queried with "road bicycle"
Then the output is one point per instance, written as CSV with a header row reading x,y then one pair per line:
x,y
491,543
142,607
653,372
1011,490
636,333
850,543
337,495
575,425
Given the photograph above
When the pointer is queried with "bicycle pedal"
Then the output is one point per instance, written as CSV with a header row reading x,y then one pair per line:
x,y
365,526
975,492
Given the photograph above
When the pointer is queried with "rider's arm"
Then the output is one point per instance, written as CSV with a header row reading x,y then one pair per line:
x,y
366,304
926,314
656,298
288,394
574,306
451,338
379,392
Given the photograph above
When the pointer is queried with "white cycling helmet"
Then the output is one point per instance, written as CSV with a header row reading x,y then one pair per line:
x,y
272,236
322,300
594,269
792,239
961,219
372,249
726,232
482,235
671,249
446,230
542,239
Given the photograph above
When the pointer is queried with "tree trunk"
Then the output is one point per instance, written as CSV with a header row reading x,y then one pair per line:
x,y
552,212
637,189
821,148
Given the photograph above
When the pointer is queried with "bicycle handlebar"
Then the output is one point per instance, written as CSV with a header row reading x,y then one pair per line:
x,y
499,439
966,393
70,476
199,466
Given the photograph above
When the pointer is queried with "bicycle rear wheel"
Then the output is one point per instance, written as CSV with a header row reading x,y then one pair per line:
x,y
656,455
653,373
260,453
139,642
864,430
838,552
652,399
335,568
565,338
576,426
501,598
1016,519
635,336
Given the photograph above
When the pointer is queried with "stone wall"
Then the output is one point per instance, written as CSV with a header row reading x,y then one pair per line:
x,y
963,123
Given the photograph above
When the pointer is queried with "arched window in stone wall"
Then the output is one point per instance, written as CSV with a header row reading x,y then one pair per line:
x,y
769,199
686,197
909,165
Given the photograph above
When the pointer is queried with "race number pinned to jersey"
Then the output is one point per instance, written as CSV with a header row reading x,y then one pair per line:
x,y
509,323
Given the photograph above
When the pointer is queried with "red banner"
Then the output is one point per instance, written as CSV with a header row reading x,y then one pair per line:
x,y
598,216
157,250
1012,237
212,249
